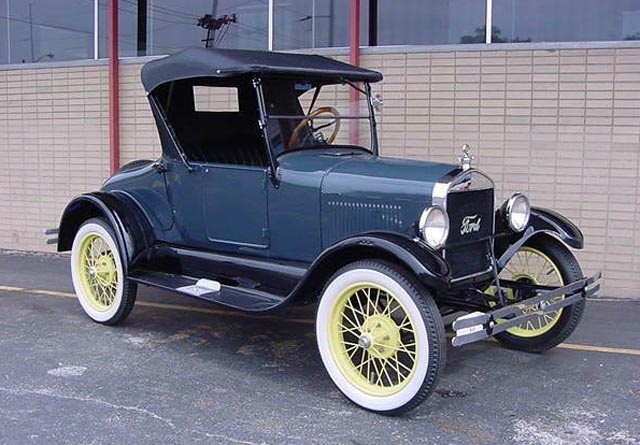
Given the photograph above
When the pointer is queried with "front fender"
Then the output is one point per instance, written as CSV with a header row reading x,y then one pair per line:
x,y
425,263
132,230
557,225
542,222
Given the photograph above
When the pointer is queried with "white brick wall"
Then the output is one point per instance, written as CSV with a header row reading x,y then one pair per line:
x,y
53,145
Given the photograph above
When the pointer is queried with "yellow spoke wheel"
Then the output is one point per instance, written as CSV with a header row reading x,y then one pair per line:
x,y
98,273
547,262
373,339
380,337
531,266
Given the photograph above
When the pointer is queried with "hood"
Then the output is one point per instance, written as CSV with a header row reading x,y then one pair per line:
x,y
367,193
397,179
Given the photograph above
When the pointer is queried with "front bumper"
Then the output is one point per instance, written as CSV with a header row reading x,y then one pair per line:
x,y
480,325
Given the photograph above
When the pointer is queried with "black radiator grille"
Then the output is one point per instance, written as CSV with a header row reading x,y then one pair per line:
x,y
469,259
471,224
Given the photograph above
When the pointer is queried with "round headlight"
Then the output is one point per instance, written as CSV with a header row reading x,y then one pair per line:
x,y
517,212
434,226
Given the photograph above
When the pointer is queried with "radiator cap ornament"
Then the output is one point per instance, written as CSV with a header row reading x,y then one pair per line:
x,y
467,158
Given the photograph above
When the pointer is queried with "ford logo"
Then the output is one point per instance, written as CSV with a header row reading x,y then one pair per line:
x,y
470,224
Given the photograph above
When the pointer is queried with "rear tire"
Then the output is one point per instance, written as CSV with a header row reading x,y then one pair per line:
x,y
543,261
380,337
97,270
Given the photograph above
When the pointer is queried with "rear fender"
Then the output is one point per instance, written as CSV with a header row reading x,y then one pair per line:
x,y
425,263
132,230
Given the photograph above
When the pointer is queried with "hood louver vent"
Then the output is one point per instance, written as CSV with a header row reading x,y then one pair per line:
x,y
349,217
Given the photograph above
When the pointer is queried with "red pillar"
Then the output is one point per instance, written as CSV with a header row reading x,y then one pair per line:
x,y
114,99
354,59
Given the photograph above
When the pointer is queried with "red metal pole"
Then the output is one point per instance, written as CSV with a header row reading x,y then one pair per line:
x,y
114,93
354,59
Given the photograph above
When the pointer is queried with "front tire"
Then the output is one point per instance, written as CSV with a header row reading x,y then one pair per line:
x,y
97,270
380,337
543,261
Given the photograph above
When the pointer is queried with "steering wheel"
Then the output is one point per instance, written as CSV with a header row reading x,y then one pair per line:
x,y
318,111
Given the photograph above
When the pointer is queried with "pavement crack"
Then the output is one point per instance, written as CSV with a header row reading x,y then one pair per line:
x,y
227,438
48,392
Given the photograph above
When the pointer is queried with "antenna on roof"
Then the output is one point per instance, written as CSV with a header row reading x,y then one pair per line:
x,y
212,24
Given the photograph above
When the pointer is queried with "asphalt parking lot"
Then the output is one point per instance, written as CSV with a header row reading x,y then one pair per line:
x,y
184,372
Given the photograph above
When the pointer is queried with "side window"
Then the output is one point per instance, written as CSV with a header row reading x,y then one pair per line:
x,y
217,124
215,99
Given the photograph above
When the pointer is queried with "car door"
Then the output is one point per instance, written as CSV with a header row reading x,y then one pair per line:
x,y
234,201
219,207
218,192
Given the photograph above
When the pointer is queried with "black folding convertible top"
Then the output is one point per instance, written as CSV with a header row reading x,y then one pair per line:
x,y
214,62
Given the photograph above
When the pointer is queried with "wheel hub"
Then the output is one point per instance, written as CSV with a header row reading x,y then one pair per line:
x,y
364,341
106,268
381,336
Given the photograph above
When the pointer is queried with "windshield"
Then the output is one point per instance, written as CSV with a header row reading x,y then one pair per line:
x,y
305,114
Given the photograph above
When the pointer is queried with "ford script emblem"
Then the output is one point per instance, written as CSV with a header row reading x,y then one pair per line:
x,y
470,224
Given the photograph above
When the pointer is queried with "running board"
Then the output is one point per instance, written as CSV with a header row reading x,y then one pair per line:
x,y
248,300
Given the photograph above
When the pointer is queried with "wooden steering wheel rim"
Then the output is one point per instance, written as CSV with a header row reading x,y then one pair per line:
x,y
314,113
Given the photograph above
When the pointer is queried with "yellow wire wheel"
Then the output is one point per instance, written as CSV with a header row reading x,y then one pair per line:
x,y
374,340
544,262
530,265
98,274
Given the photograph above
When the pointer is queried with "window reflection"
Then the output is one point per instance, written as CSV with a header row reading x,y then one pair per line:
x,y
172,27
34,31
315,23
430,22
46,30
127,24
566,20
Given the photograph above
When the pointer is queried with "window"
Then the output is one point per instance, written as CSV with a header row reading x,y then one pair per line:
x,y
305,114
314,24
127,24
159,27
215,99
565,20
172,27
430,22
46,30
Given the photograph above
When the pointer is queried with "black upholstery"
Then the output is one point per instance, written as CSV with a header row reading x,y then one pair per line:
x,y
223,138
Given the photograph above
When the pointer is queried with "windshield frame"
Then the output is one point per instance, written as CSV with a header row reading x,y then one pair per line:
x,y
264,117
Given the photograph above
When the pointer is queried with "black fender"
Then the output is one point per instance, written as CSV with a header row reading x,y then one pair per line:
x,y
424,262
133,232
554,224
542,222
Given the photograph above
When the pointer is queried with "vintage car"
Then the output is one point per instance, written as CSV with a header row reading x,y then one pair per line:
x,y
252,206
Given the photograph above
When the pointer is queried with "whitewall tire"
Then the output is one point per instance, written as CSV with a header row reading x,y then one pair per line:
x,y
98,275
380,336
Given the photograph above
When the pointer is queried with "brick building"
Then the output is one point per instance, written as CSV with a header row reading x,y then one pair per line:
x,y
549,98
